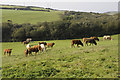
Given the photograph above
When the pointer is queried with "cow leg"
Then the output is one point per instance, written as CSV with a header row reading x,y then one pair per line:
x,y
9,53
25,54
87,44
72,45
4,53
77,45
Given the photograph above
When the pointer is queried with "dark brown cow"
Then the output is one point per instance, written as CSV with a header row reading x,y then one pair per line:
x,y
95,38
43,43
78,42
38,47
50,44
8,51
91,41
84,39
35,49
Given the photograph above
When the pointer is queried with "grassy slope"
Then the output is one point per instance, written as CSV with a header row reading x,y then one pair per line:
x,y
99,61
21,16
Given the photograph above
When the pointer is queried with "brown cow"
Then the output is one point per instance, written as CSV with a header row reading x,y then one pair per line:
x,y
8,51
78,42
38,47
84,39
43,43
95,38
50,44
91,41
33,49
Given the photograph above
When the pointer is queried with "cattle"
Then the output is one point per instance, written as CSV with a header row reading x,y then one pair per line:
x,y
43,43
33,49
91,41
78,42
28,46
43,47
8,51
50,44
84,39
95,38
38,47
107,37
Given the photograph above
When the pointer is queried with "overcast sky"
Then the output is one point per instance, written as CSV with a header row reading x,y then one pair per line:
x,y
74,5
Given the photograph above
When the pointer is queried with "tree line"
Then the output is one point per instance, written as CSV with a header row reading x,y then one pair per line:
x,y
73,25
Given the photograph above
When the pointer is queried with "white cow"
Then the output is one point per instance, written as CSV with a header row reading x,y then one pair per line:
x,y
43,47
107,37
28,46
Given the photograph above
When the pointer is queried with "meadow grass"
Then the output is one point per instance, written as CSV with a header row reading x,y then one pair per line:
x,y
62,61
33,17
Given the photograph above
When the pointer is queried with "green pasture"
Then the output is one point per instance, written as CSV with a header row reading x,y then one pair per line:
x,y
62,61
33,17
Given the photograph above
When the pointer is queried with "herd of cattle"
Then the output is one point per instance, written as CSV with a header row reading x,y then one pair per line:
x,y
42,45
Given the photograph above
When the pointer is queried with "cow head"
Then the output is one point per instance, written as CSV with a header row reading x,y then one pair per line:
x,y
95,42
97,39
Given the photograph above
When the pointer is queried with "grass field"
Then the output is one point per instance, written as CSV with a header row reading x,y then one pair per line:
x,y
22,16
61,61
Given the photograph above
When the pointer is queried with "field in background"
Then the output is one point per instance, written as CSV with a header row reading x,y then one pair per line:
x,y
33,17
61,61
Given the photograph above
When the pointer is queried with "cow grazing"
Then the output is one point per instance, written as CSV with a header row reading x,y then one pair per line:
x,y
8,51
33,49
91,41
84,39
107,37
95,38
50,44
38,47
78,42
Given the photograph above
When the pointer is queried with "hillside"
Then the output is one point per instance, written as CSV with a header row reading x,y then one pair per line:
x,y
55,24
32,15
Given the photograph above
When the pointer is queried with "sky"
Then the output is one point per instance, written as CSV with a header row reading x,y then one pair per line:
x,y
99,6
